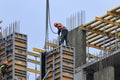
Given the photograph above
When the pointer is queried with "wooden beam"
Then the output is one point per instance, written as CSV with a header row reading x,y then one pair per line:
x,y
95,38
100,32
106,40
33,54
52,44
33,61
33,70
92,56
97,47
38,50
94,46
108,21
115,8
91,36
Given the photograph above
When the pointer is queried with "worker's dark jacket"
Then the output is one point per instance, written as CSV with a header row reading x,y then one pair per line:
x,y
64,34
3,69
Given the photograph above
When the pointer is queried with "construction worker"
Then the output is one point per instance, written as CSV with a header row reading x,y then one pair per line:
x,y
62,32
3,69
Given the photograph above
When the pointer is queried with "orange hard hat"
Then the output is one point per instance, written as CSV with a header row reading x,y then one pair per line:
x,y
5,62
59,25
55,24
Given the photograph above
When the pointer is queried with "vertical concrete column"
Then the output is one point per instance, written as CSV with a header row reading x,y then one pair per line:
x,y
80,75
105,74
77,39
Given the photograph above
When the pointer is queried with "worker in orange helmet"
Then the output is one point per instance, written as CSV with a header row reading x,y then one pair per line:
x,y
62,32
3,69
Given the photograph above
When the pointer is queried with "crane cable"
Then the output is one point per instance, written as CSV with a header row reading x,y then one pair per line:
x,y
50,19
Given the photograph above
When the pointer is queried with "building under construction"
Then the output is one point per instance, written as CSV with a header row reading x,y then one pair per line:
x,y
67,62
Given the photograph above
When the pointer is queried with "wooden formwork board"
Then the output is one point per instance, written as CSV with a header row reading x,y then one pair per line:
x,y
57,69
50,78
2,52
57,75
49,59
57,60
33,70
65,78
49,74
20,62
69,49
57,55
18,35
67,56
67,74
19,67
57,65
20,78
34,61
68,64
20,43
48,63
33,54
10,63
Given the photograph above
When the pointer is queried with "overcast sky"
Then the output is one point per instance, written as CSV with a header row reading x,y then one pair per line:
x,y
31,14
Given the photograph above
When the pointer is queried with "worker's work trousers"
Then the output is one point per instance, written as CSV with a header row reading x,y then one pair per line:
x,y
63,38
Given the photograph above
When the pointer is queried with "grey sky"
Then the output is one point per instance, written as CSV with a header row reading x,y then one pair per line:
x,y
31,14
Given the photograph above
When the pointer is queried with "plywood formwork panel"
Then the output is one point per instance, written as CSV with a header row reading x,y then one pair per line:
x,y
57,60
67,56
20,44
65,78
20,62
20,78
21,36
33,70
33,54
10,63
9,58
67,74
57,55
57,64
59,70
19,67
68,64
49,59
49,74
57,75
34,61
50,78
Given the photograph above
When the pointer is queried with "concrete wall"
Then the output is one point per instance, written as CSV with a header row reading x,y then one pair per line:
x,y
105,74
77,39
80,75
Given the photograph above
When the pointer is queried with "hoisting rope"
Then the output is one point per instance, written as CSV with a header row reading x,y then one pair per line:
x,y
47,22
50,19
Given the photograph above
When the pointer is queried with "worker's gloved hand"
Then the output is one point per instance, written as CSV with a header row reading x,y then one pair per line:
x,y
60,37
